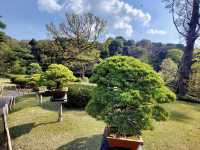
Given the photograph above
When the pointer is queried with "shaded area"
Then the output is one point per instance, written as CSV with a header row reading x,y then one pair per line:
x,y
20,130
2,140
55,106
23,129
85,143
178,116
52,106
45,123
5,100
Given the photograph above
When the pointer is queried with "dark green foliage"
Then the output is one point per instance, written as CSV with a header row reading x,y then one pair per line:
x,y
2,35
2,25
158,54
79,95
159,113
126,93
15,56
34,68
116,47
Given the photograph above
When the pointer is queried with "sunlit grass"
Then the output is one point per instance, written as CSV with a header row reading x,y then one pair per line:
x,y
36,127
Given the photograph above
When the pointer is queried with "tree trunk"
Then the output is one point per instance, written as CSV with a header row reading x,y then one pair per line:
x,y
82,71
185,68
186,63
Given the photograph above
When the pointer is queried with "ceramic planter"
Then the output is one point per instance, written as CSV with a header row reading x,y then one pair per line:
x,y
122,142
59,96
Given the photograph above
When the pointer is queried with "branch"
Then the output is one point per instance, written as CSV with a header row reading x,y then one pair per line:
x,y
174,20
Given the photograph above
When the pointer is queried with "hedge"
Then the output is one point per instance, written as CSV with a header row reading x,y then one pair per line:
x,y
79,95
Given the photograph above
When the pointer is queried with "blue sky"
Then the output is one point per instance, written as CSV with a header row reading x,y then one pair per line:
x,y
133,19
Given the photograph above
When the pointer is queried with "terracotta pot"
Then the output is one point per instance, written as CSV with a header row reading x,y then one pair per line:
x,y
124,143
128,143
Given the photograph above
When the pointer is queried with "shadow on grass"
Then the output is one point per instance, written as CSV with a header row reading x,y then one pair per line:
x,y
23,129
181,117
46,123
53,106
85,143
20,130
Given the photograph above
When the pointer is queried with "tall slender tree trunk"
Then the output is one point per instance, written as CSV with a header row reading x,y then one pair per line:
x,y
186,63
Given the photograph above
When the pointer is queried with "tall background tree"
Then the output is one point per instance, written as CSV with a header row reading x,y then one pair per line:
x,y
2,26
80,31
186,18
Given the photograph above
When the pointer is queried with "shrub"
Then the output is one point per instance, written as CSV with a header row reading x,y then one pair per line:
x,y
79,95
57,76
35,81
21,80
34,68
175,55
126,95
18,68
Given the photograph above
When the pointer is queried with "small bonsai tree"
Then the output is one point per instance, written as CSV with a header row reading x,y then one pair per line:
x,y
35,81
56,76
128,95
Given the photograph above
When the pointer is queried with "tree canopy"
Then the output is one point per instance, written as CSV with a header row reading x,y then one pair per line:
x,y
127,95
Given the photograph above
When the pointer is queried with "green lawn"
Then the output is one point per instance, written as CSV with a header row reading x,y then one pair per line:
x,y
36,127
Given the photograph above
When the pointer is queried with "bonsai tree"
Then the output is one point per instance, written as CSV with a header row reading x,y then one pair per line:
x,y
56,76
128,95
35,81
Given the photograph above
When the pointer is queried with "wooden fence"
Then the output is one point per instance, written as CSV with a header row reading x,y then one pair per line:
x,y
4,113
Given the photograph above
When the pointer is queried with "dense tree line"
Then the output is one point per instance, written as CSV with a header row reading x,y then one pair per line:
x,y
80,51
15,55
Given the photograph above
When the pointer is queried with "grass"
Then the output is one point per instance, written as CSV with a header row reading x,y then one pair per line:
x,y
36,127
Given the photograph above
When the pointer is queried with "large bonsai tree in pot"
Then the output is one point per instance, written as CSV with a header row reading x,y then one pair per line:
x,y
128,96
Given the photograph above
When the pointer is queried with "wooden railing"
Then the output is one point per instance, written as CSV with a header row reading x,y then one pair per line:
x,y
6,129
4,114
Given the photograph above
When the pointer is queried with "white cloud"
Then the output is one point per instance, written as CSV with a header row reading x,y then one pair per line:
x,y
49,5
156,32
119,14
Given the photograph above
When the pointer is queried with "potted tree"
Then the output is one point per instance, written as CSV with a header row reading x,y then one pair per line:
x,y
127,97
56,78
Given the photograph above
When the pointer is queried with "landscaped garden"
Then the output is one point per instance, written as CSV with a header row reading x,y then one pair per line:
x,y
35,127
88,85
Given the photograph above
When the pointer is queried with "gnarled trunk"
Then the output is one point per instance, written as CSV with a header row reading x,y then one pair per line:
x,y
192,35
185,68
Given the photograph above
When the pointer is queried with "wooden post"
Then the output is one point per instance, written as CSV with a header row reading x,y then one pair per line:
x,y
6,109
40,97
6,129
60,115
